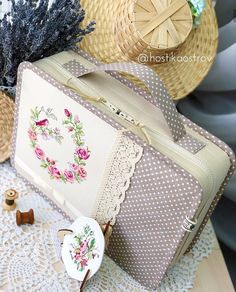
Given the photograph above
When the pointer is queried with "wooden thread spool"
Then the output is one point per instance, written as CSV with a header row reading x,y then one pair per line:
x,y
24,217
9,202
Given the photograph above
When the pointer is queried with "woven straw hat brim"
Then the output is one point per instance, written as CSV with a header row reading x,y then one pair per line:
x,y
180,77
6,125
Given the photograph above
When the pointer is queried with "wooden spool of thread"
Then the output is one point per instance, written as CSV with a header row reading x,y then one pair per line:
x,y
9,202
24,217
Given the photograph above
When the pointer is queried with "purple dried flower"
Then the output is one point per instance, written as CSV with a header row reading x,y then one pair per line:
x,y
34,30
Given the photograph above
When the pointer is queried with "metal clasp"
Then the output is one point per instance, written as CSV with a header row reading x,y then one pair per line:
x,y
188,224
119,112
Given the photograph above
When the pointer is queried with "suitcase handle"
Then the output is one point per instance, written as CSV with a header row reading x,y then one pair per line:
x,y
156,88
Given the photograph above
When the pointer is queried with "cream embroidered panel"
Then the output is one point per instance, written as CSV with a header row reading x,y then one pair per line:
x,y
77,159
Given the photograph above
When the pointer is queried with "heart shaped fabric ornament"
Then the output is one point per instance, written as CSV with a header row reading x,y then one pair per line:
x,y
83,248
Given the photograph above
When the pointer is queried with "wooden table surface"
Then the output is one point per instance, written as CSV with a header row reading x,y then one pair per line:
x,y
212,274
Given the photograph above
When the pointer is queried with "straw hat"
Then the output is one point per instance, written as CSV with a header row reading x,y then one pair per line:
x,y
6,125
136,30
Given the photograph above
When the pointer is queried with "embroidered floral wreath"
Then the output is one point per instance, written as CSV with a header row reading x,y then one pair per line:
x,y
41,127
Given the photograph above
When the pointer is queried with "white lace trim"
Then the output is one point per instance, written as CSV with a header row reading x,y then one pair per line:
x,y
116,180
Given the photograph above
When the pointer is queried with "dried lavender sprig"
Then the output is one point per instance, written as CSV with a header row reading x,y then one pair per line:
x,y
33,30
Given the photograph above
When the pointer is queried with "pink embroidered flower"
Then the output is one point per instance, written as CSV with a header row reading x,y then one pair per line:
x,y
84,263
69,176
51,161
51,170
82,153
55,172
82,172
32,135
77,256
39,153
67,112
70,129
82,249
42,123
76,119
74,167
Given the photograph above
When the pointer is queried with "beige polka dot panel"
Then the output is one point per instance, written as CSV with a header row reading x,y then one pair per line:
x,y
148,228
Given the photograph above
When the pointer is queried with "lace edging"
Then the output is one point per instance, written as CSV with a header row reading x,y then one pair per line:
x,y
117,177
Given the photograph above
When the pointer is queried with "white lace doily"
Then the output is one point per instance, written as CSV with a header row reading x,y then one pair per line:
x,y
29,258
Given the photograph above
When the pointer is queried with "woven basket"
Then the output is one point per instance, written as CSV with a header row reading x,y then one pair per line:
x,y
152,26
6,125
180,77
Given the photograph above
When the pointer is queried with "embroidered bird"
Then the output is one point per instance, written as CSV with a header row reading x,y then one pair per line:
x,y
42,123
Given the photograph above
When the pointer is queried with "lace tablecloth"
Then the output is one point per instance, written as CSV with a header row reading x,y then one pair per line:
x,y
30,258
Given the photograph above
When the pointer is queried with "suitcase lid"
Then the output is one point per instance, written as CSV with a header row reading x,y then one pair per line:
x,y
50,116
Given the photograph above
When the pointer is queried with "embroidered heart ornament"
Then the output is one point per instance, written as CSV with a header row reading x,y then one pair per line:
x,y
40,127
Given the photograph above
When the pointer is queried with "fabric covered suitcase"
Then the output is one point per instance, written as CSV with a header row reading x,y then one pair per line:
x,y
95,145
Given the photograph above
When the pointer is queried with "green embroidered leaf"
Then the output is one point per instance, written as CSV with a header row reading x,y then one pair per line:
x,y
92,243
86,229
63,178
44,165
77,159
78,127
78,239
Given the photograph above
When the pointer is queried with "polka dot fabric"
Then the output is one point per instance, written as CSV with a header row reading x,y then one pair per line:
x,y
190,143
148,229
